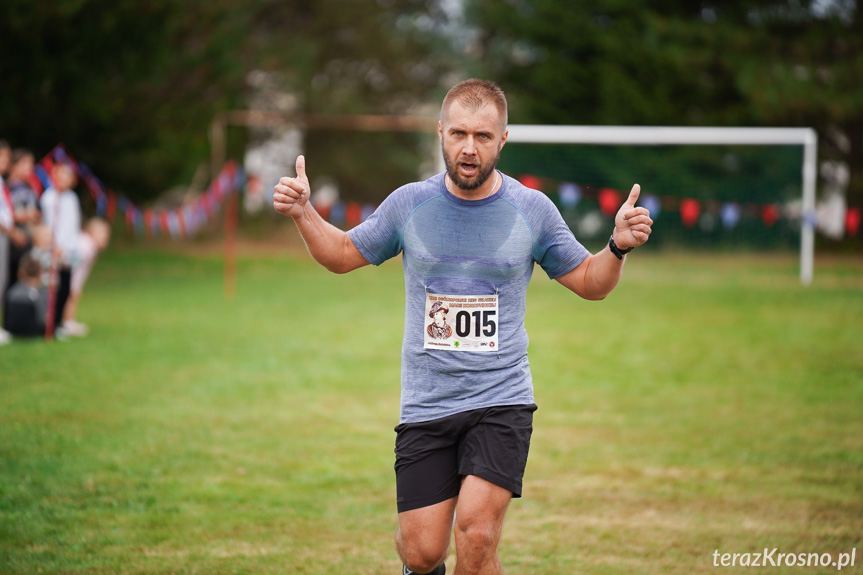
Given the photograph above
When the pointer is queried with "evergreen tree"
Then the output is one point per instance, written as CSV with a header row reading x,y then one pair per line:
x,y
671,62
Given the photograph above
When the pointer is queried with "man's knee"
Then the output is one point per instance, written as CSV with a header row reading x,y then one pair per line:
x,y
479,518
421,556
423,536
476,538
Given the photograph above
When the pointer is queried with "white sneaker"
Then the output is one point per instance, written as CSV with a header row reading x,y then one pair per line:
x,y
5,337
74,328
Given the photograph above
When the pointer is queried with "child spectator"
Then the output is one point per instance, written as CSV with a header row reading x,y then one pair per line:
x,y
94,238
24,198
24,202
27,301
42,248
61,210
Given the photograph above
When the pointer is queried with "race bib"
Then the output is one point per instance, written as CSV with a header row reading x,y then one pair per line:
x,y
461,322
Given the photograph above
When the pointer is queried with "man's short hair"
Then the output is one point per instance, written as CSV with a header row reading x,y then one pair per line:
x,y
475,93
4,145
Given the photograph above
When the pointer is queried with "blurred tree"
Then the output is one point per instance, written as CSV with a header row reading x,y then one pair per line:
x,y
359,57
673,62
131,87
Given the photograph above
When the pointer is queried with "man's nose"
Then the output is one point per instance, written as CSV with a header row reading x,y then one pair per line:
x,y
469,147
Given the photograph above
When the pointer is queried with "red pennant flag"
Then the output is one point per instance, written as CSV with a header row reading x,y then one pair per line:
x,y
353,214
689,211
609,202
769,215
35,183
852,221
531,182
111,209
323,210
148,222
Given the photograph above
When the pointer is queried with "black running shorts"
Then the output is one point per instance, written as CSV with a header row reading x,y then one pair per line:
x,y
433,456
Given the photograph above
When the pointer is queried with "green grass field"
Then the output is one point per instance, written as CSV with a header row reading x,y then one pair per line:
x,y
711,402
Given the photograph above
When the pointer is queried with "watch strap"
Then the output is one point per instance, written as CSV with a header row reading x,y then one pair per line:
x,y
619,253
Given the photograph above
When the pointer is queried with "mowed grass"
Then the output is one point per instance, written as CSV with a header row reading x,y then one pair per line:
x,y
711,402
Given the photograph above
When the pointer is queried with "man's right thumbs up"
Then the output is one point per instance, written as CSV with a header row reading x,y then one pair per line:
x,y
301,167
292,194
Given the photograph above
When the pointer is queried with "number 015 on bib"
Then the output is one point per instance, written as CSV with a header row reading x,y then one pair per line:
x,y
461,322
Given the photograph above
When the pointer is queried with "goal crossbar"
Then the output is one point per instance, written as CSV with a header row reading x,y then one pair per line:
x,y
699,136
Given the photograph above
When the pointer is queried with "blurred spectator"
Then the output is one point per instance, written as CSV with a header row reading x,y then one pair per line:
x,y
94,238
61,210
27,301
24,198
42,247
24,202
9,234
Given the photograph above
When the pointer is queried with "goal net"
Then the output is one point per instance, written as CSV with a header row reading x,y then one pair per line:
x,y
736,189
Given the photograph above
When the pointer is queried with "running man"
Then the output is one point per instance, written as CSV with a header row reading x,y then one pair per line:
x,y
469,239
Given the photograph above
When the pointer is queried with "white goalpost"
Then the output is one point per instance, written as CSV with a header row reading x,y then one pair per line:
x,y
697,136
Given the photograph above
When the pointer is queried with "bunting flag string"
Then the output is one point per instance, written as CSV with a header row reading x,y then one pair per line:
x,y
185,221
691,211
193,215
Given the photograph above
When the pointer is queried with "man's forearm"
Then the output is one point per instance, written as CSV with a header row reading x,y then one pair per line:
x,y
596,276
327,244
602,274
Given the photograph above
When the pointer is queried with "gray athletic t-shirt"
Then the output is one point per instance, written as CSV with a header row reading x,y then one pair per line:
x,y
481,247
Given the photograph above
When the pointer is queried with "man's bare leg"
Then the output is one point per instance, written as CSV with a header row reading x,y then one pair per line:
x,y
479,519
423,536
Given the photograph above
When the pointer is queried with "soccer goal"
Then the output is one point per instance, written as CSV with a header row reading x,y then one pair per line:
x,y
740,187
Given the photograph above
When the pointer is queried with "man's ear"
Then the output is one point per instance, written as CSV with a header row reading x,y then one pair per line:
x,y
503,140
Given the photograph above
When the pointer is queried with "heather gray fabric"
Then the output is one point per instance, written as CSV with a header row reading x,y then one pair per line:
x,y
461,247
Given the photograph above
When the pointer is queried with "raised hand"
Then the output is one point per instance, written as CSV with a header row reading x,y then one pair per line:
x,y
632,226
292,194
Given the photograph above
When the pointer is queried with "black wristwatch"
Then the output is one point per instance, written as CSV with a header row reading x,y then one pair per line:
x,y
616,250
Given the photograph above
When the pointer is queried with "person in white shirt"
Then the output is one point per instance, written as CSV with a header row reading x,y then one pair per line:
x,y
61,211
